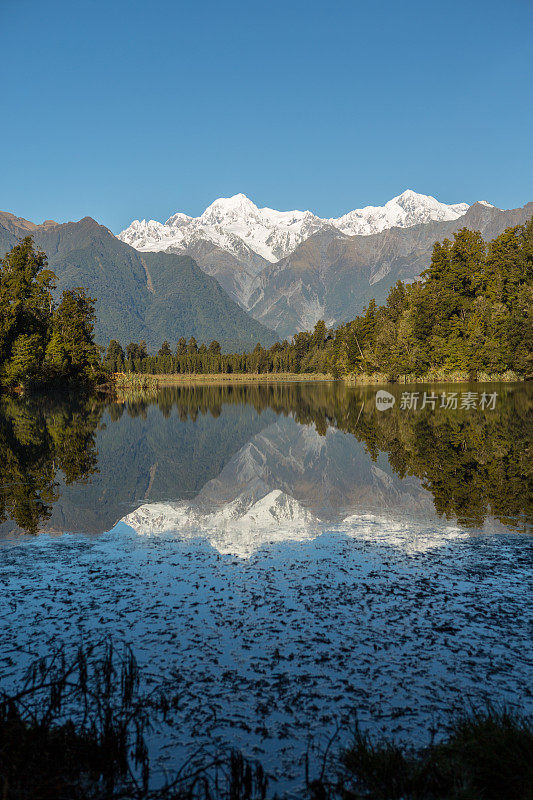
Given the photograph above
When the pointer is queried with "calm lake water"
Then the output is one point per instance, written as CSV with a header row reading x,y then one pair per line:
x,y
290,556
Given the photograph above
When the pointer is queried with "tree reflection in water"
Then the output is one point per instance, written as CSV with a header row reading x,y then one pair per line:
x,y
475,463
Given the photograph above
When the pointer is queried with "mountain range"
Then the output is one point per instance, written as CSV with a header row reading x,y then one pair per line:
x,y
237,225
290,268
242,274
241,475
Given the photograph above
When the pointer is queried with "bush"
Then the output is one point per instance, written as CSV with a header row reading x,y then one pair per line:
x,y
486,756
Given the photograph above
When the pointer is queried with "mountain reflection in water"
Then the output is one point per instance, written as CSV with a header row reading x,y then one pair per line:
x,y
236,458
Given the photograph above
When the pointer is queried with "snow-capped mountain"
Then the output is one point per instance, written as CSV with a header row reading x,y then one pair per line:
x,y
233,223
288,269
239,227
286,484
242,527
404,211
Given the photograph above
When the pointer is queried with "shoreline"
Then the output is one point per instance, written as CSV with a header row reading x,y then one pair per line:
x,y
436,376
136,380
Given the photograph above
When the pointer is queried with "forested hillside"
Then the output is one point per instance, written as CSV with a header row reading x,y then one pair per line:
x,y
470,314
147,296
334,277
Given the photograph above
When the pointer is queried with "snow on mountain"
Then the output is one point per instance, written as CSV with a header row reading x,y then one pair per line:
x,y
233,223
244,525
404,211
238,226
410,536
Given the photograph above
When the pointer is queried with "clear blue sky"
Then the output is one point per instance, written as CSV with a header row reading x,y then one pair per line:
x,y
125,109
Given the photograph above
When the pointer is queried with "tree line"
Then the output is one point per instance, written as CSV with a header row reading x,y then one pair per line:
x,y
474,464
470,313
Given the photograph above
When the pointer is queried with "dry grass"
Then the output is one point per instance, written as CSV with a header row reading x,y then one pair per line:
x,y
233,377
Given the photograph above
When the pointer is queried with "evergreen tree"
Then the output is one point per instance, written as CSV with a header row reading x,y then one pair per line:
x,y
25,362
39,342
73,326
26,308
114,359
471,311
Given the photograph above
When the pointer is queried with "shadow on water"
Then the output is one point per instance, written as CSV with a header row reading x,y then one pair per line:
x,y
78,464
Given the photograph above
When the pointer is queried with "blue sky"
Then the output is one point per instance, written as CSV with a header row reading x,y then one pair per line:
x,y
125,109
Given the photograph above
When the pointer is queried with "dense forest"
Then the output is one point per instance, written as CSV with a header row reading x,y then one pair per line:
x,y
470,315
41,341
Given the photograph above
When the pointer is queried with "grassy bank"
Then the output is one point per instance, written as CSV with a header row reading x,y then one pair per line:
x,y
485,755
134,382
434,376
129,380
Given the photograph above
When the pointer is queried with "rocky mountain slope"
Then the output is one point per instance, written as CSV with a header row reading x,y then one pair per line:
x,y
285,269
289,269
150,296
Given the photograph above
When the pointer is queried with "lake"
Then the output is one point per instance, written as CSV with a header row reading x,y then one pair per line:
x,y
290,557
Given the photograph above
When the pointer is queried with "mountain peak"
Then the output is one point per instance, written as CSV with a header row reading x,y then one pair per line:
x,y
410,200
237,205
407,194
410,197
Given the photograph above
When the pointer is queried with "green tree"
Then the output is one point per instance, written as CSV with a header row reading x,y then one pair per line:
x,y
319,333
73,326
164,350
40,342
114,359
26,309
25,362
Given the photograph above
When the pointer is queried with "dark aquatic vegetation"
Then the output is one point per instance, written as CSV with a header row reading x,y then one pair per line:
x,y
76,730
